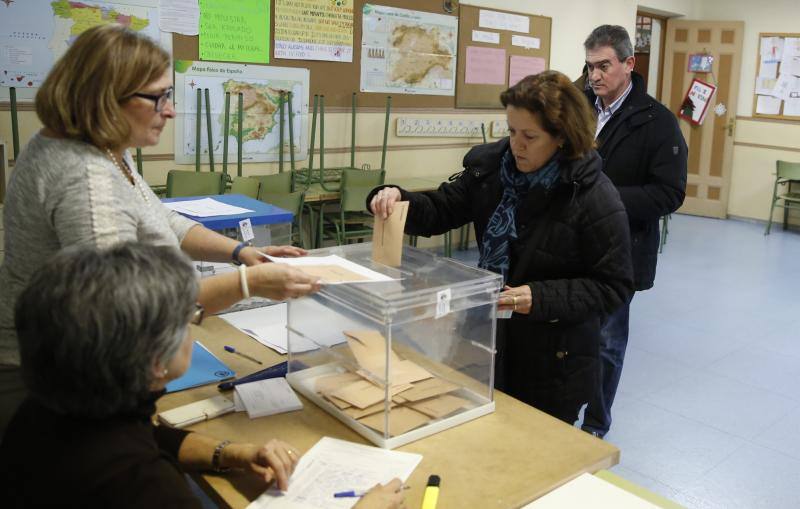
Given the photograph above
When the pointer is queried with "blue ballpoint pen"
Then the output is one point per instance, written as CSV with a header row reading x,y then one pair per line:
x,y
354,493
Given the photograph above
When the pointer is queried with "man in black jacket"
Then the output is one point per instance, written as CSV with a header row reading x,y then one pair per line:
x,y
644,154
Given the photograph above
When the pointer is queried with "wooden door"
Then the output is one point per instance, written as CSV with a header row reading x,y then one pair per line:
x,y
710,144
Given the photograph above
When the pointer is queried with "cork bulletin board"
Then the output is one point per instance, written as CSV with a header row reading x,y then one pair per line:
x,y
769,72
474,95
338,80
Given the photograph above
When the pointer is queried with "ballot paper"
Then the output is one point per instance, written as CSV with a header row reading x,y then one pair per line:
x,y
333,269
387,236
268,397
588,490
267,325
205,207
332,466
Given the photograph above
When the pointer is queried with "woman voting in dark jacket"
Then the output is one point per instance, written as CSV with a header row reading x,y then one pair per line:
x,y
548,219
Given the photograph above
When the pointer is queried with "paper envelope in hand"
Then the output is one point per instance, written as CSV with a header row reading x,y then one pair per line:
x,y
387,237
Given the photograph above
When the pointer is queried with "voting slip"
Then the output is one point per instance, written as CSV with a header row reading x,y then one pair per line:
x,y
268,397
387,236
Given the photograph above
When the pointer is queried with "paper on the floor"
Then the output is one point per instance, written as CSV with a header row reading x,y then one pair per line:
x,y
268,397
334,269
590,491
335,465
205,207
267,325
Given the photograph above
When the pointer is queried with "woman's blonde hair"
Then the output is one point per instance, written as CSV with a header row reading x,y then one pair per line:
x,y
81,98
562,108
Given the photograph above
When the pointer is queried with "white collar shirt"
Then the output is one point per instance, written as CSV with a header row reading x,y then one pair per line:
x,y
605,114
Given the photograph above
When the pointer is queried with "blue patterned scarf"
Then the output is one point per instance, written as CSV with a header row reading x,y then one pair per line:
x,y
502,226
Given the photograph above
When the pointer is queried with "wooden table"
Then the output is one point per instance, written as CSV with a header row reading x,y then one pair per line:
x,y
505,459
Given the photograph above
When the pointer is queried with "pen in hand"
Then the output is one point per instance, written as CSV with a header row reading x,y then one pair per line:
x,y
233,350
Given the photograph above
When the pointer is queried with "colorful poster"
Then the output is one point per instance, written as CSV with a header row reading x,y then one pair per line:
x,y
314,30
697,100
262,88
408,52
234,30
36,33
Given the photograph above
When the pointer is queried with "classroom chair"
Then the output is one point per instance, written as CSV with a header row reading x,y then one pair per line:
x,y
664,232
294,203
786,173
352,221
194,183
245,185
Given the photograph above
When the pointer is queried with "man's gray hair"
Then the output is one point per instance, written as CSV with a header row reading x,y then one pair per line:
x,y
613,36
92,323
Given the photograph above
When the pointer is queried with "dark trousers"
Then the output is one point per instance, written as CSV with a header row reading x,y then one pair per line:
x,y
613,342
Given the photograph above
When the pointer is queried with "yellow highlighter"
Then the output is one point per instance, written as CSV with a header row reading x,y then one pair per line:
x,y
431,495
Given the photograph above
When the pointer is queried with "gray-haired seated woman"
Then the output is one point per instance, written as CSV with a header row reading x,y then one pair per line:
x,y
101,333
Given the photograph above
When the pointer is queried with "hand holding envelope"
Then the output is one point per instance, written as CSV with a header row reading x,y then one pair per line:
x,y
387,236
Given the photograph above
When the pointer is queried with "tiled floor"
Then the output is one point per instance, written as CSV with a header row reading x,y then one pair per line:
x,y
709,402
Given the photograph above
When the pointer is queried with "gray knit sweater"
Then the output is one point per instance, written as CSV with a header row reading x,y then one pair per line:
x,y
64,193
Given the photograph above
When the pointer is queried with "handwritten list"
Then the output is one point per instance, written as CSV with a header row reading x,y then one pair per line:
x,y
235,30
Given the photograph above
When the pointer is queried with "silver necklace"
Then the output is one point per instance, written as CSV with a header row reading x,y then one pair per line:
x,y
126,171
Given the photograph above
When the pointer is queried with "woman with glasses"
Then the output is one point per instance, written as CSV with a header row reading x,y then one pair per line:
x,y
74,185
101,334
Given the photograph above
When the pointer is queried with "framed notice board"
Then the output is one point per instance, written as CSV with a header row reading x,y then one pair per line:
x,y
495,47
777,87
338,80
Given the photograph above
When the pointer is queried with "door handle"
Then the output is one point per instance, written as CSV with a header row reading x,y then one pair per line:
x,y
730,126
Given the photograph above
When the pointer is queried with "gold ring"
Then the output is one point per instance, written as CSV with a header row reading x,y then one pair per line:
x,y
289,452
515,302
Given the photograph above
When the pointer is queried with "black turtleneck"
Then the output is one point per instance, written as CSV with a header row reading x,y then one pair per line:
x,y
50,459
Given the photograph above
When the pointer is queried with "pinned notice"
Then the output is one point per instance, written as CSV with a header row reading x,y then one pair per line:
x,y
485,66
524,66
234,31
387,237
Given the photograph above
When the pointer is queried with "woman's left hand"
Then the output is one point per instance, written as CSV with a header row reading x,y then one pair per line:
x,y
273,461
517,299
254,255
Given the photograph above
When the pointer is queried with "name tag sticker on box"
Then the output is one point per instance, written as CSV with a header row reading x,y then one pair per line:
x,y
443,303
246,229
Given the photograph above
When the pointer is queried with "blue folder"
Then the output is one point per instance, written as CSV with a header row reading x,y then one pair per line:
x,y
204,369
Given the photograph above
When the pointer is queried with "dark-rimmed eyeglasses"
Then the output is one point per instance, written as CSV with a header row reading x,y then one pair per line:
x,y
160,100
198,314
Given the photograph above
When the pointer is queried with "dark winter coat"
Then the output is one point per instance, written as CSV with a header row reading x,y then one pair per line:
x,y
644,154
573,251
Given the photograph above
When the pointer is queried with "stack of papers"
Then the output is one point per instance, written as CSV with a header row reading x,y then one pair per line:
x,y
333,466
265,397
267,325
205,207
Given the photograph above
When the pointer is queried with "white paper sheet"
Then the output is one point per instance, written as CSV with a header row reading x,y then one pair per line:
x,y
338,261
790,62
268,397
768,105
785,85
791,107
205,207
488,37
504,21
768,69
335,465
765,85
267,325
772,48
179,16
526,42
589,491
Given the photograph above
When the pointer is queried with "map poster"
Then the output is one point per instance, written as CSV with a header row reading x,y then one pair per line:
x,y
314,30
261,88
36,33
408,52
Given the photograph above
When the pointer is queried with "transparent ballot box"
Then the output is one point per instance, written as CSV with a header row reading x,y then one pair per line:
x,y
402,359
